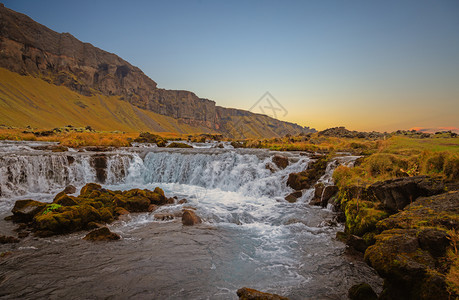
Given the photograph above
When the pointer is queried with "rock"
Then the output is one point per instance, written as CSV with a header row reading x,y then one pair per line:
x,y
179,145
190,218
251,294
183,201
70,189
121,211
164,217
270,166
64,200
93,206
434,240
88,188
25,210
293,196
397,193
8,239
411,248
362,291
152,207
99,163
280,161
305,179
352,241
102,234
322,194
329,191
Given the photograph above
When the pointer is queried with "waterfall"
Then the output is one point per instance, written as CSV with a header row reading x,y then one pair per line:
x,y
228,171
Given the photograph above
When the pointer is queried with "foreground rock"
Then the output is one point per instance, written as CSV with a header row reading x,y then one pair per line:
x,y
411,253
189,218
94,205
251,294
306,179
102,234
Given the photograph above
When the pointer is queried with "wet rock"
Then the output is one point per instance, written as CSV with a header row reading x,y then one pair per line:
x,y
306,179
25,210
280,161
23,234
88,188
183,201
70,189
94,205
152,207
189,218
362,291
322,194
293,197
64,200
251,294
270,166
164,216
4,239
178,145
99,163
121,211
352,241
102,234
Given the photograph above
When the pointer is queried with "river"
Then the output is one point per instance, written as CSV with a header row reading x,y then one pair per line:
x,y
250,235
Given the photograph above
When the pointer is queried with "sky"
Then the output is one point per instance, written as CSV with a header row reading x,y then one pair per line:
x,y
366,65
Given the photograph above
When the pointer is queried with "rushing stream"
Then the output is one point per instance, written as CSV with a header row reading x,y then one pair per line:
x,y
250,236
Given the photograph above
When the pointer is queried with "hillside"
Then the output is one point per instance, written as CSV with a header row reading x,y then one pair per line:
x,y
33,50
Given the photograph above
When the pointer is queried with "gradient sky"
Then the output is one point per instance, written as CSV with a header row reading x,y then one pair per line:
x,y
367,65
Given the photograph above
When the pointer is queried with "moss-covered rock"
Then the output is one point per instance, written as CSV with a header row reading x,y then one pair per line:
x,y
306,179
411,252
362,216
94,205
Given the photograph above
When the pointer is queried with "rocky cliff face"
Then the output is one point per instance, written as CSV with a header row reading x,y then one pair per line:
x,y
29,48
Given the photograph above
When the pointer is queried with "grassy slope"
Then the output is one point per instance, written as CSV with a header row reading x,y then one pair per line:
x,y
25,100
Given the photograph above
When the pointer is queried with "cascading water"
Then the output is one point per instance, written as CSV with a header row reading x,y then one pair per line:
x,y
250,237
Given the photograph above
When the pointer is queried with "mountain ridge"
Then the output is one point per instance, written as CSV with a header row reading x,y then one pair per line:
x,y
32,49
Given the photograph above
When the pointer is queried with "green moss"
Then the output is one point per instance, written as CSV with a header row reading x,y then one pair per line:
x,y
362,216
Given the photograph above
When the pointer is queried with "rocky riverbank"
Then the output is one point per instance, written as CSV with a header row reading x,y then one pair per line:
x,y
406,229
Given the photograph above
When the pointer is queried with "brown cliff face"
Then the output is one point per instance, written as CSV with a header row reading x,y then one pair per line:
x,y
29,48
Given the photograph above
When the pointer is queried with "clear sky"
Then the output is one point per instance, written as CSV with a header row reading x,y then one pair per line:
x,y
367,65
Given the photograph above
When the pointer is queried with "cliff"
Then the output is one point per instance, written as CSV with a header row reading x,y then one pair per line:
x,y
31,49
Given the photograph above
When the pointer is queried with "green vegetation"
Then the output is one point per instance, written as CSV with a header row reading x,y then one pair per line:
x,y
51,207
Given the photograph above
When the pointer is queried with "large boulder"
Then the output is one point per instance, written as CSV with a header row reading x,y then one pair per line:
x,y
251,294
189,218
25,210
